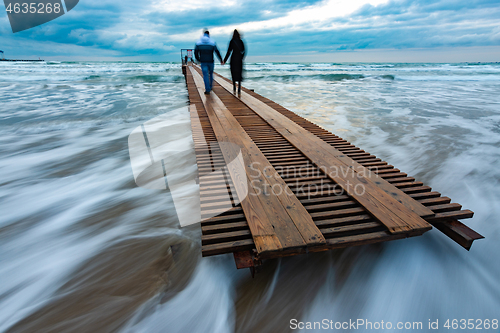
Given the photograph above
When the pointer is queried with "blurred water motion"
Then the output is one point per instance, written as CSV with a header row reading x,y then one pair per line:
x,y
83,248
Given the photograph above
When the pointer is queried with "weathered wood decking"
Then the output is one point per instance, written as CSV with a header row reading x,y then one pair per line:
x,y
299,188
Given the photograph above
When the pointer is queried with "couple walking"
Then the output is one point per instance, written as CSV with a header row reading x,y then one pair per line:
x,y
204,53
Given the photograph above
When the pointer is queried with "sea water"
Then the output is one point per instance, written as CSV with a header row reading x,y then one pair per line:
x,y
84,248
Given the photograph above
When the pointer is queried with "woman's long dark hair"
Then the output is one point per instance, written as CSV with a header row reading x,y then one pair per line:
x,y
236,35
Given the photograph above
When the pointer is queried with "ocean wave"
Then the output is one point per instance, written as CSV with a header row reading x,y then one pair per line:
x,y
340,77
332,77
453,78
156,78
387,77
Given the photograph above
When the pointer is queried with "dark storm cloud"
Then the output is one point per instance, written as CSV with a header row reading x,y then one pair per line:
x,y
136,28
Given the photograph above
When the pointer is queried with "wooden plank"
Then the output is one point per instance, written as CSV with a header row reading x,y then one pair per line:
x,y
228,247
435,201
333,198
351,229
344,221
445,207
396,216
332,206
338,213
225,237
363,239
223,219
454,215
225,227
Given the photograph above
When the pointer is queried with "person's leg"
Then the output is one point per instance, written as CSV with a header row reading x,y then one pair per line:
x,y
234,87
205,70
239,87
211,71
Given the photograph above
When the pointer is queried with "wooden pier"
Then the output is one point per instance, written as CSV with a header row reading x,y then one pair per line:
x,y
301,188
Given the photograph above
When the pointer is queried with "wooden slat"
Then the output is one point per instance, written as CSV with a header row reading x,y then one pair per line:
x,y
454,215
223,219
362,239
344,221
352,229
225,227
225,237
228,247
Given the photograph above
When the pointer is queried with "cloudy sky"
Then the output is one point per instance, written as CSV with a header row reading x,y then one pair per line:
x,y
274,30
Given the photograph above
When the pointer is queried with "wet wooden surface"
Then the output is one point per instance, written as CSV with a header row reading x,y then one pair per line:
x,y
316,209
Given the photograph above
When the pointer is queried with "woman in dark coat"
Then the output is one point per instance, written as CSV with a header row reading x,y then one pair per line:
x,y
236,47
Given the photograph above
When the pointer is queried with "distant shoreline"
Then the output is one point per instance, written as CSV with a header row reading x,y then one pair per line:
x,y
20,60
270,62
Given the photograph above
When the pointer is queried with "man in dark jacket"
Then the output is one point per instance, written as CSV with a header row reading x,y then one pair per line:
x,y
204,53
